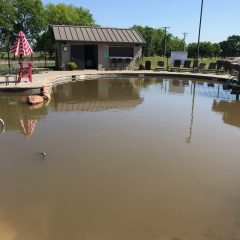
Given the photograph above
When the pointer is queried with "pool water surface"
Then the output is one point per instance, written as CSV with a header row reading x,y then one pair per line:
x,y
126,159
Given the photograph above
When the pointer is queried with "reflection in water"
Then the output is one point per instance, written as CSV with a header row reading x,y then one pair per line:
x,y
118,166
188,139
2,126
176,86
18,116
229,110
97,95
28,127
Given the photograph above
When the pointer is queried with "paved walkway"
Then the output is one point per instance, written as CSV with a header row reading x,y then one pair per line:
x,y
55,77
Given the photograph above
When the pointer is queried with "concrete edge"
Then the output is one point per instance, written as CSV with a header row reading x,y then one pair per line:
x,y
81,77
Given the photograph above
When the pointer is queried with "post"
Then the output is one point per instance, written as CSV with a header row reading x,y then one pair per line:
x,y
167,62
199,31
45,59
165,40
8,59
184,40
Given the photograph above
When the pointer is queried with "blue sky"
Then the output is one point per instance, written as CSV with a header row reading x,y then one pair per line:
x,y
220,17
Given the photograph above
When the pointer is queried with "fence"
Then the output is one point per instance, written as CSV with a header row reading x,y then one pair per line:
x,y
39,58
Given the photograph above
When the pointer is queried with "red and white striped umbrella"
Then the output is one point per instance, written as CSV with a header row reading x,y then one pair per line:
x,y
21,46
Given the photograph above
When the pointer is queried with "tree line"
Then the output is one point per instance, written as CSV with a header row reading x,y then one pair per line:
x,y
157,40
34,18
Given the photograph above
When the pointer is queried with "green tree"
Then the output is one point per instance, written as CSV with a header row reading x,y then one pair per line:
x,y
206,49
7,17
230,47
192,49
216,49
147,33
175,44
45,42
63,14
21,15
155,39
30,18
156,42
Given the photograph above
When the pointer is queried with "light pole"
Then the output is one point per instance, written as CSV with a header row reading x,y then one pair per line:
x,y
165,40
184,39
199,31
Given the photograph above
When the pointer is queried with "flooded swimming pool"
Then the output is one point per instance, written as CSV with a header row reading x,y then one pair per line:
x,y
125,159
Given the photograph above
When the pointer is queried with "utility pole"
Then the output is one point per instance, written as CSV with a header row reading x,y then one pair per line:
x,y
165,42
184,39
199,31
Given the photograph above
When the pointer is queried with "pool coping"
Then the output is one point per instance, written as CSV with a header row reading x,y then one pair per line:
x,y
55,78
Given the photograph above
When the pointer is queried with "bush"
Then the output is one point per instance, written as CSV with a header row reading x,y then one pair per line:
x,y
71,66
141,67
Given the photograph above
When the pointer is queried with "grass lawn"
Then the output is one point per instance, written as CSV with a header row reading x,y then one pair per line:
x,y
155,59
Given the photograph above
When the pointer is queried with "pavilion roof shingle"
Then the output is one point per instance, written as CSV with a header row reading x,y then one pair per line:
x,y
97,34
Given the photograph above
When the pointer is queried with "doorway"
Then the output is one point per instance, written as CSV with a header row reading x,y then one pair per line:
x,y
91,56
85,56
77,55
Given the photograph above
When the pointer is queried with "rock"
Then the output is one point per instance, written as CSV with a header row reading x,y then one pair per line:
x,y
36,106
35,99
45,92
44,89
47,96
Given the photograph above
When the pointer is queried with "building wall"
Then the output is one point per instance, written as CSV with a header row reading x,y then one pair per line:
x,y
62,56
137,53
58,56
103,56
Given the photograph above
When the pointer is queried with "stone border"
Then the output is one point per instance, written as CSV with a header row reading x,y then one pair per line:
x,y
77,76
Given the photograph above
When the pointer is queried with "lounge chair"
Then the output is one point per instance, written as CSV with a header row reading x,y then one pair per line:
x,y
148,65
210,85
160,66
113,64
220,67
12,73
176,66
211,68
200,68
186,67
195,65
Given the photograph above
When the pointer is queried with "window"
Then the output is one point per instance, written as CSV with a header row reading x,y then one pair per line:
x,y
121,52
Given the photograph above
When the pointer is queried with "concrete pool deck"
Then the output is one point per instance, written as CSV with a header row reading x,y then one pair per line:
x,y
53,78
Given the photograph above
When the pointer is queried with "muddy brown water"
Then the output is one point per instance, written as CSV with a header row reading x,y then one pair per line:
x,y
125,159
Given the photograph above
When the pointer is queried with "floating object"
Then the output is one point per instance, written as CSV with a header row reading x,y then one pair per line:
x,y
43,154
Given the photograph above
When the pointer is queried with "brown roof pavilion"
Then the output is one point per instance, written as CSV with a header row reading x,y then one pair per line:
x,y
97,35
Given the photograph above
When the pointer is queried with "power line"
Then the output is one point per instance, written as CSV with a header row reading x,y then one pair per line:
x,y
165,43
